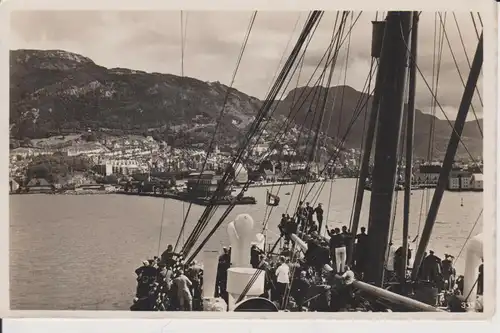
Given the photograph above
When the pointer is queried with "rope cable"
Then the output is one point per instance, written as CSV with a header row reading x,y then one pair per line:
x,y
314,19
221,114
273,99
461,77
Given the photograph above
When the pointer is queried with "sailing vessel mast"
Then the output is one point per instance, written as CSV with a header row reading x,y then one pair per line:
x,y
378,28
393,60
450,155
410,127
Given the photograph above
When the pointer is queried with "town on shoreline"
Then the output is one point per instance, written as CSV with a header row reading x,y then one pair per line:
x,y
90,163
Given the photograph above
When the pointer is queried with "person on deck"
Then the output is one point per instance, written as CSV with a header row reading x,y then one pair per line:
x,y
194,274
448,272
302,286
282,279
225,256
184,296
319,216
282,225
301,216
313,228
480,280
389,260
168,256
398,261
284,220
222,267
422,271
347,237
146,276
268,284
309,214
361,251
337,247
255,252
432,268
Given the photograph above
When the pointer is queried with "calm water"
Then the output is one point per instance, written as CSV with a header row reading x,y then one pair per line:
x,y
80,252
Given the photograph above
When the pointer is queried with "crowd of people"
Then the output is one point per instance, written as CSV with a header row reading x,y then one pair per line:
x,y
335,249
293,281
166,284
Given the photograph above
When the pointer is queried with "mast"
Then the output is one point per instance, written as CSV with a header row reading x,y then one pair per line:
x,y
315,148
377,37
450,154
394,58
410,127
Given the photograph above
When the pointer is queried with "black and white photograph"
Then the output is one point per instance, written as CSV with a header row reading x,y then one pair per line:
x,y
247,161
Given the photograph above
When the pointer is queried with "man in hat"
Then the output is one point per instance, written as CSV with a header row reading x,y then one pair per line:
x,y
222,267
432,268
319,216
448,272
194,274
168,256
183,286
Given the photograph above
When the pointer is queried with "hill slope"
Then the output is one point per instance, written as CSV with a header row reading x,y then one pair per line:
x,y
343,111
52,91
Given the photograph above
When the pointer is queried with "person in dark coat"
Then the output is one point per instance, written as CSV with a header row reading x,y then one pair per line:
x,y
302,286
319,216
361,251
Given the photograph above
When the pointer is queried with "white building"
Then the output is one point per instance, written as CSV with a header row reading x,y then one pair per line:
x,y
477,181
454,183
460,180
428,174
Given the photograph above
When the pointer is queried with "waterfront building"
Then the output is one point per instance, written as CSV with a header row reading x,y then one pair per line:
x,y
203,185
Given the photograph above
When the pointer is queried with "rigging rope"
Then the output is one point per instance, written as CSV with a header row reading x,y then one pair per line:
x,y
314,19
266,215
468,237
344,17
356,113
474,23
461,77
268,99
445,115
226,98
465,52
161,226
436,63
239,155
183,28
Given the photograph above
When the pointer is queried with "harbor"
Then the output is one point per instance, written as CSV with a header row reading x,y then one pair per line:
x,y
267,224
87,233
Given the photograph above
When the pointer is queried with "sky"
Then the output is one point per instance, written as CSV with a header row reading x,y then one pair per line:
x,y
151,41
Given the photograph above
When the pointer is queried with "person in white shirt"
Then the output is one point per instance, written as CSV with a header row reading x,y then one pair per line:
x,y
282,279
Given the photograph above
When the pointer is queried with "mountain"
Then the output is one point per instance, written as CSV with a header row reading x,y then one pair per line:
x,y
56,91
338,120
52,90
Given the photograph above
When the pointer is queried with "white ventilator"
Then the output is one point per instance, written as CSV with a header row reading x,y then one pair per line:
x,y
210,265
473,259
241,236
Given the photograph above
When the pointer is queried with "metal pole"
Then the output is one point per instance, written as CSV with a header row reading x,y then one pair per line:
x,y
410,127
377,37
450,155
365,166
394,60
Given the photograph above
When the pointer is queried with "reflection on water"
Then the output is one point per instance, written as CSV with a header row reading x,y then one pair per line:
x,y
80,252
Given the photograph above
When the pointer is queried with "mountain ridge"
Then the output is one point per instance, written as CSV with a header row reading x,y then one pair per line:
x,y
55,90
